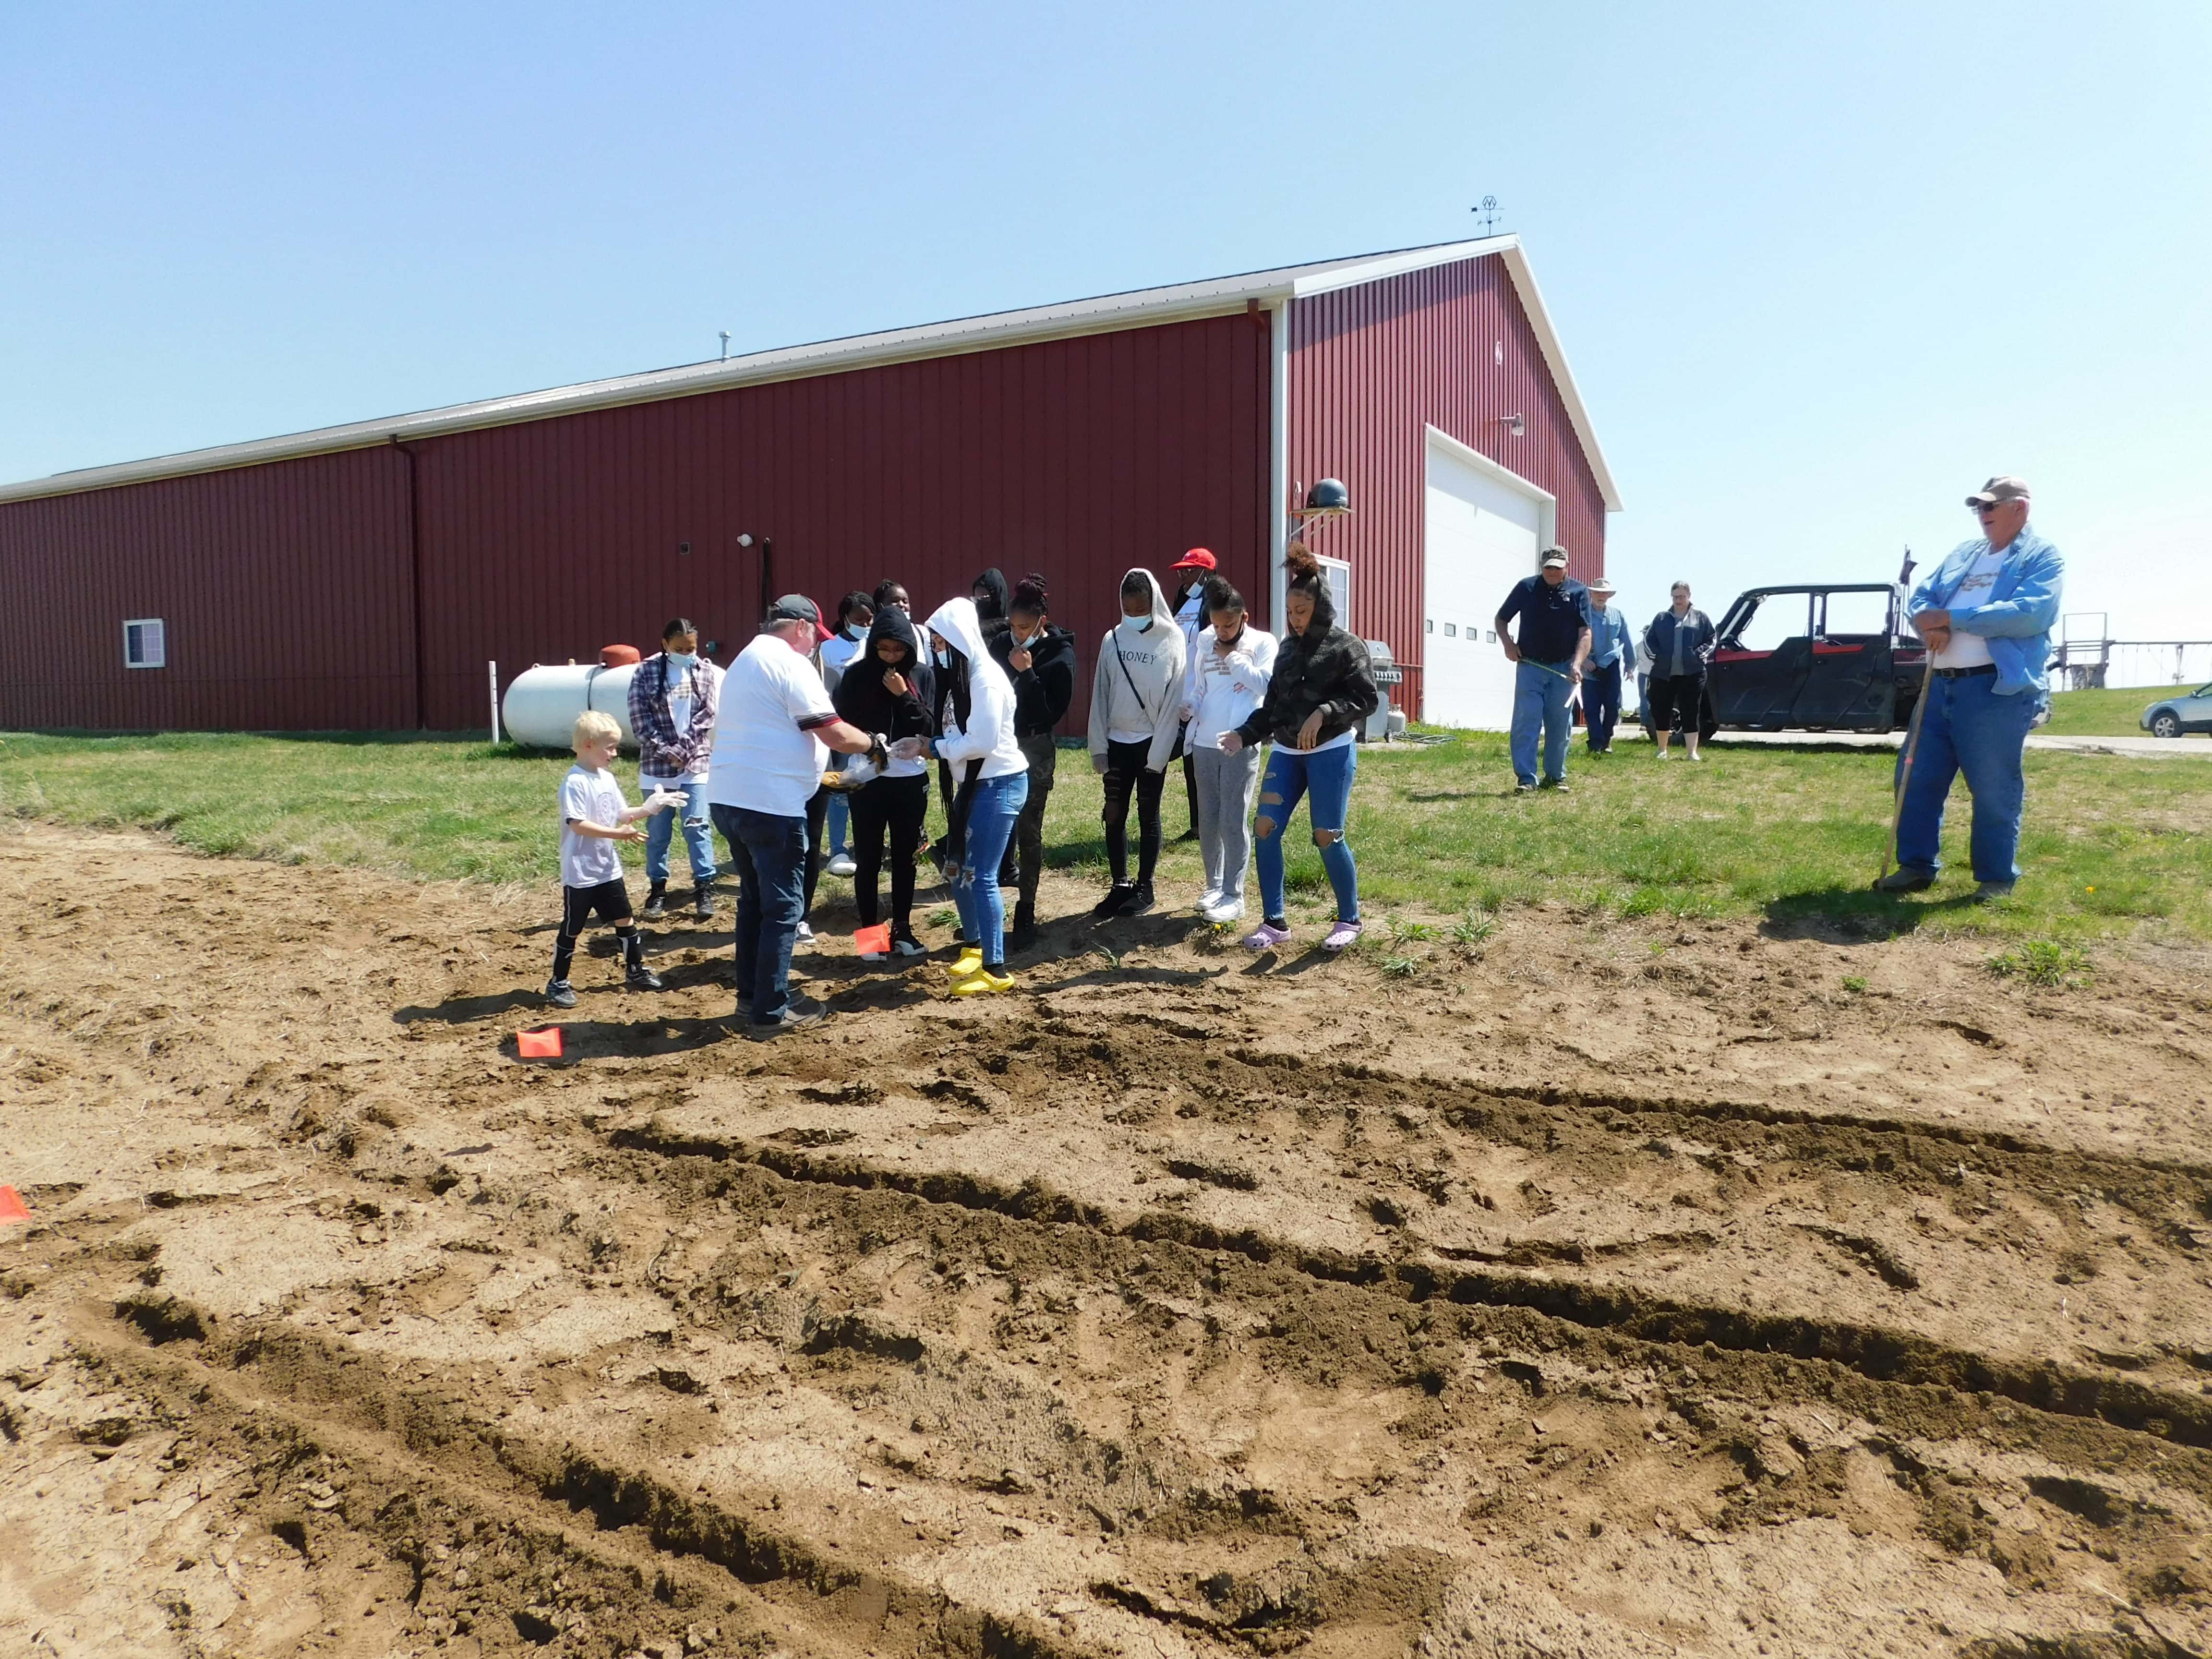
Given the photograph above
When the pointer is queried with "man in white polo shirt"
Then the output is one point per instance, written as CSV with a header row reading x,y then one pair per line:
x,y
773,736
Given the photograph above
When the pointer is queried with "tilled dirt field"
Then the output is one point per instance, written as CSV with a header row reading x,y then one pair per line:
x,y
1591,1290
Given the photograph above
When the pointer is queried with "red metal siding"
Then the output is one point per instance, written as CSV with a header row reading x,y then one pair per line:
x,y
284,590
1371,367
1077,458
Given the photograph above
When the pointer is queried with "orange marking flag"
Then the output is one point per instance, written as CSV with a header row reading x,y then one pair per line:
x,y
877,939
542,1044
12,1207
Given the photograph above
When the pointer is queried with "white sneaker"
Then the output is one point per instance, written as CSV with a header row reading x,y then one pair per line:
x,y
1207,900
1698,755
841,864
907,947
1225,910
805,936
1666,753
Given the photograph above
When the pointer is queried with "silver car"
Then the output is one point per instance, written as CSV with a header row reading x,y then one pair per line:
x,y
2171,716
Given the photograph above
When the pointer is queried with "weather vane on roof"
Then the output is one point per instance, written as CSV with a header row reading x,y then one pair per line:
x,y
1489,212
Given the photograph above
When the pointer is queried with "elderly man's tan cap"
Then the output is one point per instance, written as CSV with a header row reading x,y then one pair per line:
x,y
1999,490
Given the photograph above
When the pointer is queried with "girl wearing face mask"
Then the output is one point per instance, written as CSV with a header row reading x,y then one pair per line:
x,y
673,698
1040,660
1229,671
855,612
876,692
1323,689
1136,708
978,738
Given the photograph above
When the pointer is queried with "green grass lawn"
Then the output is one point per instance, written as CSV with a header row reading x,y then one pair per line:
x,y
2112,844
2113,714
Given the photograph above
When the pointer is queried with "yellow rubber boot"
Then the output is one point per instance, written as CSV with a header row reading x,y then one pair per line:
x,y
982,982
969,961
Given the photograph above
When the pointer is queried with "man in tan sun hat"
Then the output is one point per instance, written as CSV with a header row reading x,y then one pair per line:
x,y
1612,653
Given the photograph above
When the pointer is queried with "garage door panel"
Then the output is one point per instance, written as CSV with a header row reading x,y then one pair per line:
x,y
1481,538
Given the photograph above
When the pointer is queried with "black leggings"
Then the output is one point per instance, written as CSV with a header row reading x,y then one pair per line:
x,y
1126,772
1677,702
893,807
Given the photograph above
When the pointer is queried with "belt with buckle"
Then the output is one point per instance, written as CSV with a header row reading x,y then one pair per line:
x,y
1961,673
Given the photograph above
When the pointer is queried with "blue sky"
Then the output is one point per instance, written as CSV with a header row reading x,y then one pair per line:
x,y
1819,270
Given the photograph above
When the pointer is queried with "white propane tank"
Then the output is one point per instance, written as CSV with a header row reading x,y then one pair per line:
x,y
542,703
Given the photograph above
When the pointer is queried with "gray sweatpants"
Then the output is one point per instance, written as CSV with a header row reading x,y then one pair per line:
x,y
1225,785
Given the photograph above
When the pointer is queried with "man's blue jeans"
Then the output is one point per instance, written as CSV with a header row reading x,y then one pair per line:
x,y
1968,728
768,852
698,837
1600,704
992,810
1324,777
1541,692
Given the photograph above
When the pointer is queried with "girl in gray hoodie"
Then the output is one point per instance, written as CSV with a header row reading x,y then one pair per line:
x,y
1136,708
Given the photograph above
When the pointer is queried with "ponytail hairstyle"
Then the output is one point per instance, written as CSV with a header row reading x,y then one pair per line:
x,y
1302,569
1220,595
1030,594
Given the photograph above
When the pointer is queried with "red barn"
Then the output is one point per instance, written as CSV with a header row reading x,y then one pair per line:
x,y
359,577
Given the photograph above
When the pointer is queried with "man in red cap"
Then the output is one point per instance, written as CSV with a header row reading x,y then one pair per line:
x,y
1193,571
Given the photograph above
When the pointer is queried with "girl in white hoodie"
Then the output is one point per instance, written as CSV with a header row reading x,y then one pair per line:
x,y
1230,666
1136,708
977,738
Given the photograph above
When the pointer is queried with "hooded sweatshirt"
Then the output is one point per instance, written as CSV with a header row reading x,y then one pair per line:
x,y
862,698
979,704
1136,696
1044,689
1325,668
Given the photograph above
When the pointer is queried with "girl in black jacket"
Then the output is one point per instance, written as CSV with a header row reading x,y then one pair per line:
x,y
878,693
1040,659
1323,690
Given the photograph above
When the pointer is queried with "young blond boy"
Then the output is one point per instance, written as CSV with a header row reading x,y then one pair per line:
x,y
593,816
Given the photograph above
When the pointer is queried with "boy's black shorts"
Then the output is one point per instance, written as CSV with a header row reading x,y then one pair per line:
x,y
610,901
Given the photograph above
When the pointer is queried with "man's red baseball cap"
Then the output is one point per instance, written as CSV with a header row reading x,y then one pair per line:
x,y
1198,558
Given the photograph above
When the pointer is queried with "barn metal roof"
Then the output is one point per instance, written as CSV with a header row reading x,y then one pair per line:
x,y
1136,308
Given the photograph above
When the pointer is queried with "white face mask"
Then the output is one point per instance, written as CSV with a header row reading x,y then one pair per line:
x,y
680,661
944,658
1133,626
855,632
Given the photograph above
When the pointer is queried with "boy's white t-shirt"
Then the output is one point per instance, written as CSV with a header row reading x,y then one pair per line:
x,y
590,797
1971,650
767,758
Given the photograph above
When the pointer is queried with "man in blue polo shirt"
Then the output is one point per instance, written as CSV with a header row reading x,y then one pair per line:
x,y
1554,642
1985,613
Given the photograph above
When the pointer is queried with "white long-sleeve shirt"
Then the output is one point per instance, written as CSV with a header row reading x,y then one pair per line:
x,y
1222,692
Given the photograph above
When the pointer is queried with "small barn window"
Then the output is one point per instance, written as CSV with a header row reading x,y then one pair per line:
x,y
1451,632
145,643
1431,627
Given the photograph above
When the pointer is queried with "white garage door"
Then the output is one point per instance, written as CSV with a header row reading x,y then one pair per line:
x,y
1484,527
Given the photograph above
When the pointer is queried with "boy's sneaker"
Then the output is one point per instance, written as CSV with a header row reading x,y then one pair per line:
x,y
906,944
841,864
1267,937
1116,896
560,994
656,902
1341,936
703,903
642,978
797,1016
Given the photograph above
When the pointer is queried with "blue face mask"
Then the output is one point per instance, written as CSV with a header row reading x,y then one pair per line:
x,y
680,662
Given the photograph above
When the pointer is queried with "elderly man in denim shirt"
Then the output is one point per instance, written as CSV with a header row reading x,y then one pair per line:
x,y
1612,655
1985,613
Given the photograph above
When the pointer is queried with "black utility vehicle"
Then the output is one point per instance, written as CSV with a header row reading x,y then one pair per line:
x,y
1835,658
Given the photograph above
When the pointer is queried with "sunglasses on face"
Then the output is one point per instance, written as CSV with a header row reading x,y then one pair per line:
x,y
1983,509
